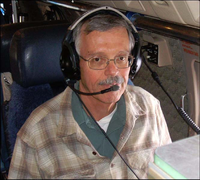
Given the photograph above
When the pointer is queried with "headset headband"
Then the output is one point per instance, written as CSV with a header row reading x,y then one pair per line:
x,y
104,8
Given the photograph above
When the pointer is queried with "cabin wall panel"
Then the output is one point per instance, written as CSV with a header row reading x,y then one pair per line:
x,y
173,79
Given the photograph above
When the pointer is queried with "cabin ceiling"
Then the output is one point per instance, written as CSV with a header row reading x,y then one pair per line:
x,y
179,11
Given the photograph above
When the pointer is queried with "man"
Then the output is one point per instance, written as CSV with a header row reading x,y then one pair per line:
x,y
60,139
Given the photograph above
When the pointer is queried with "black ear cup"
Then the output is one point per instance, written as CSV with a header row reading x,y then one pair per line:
x,y
136,54
69,62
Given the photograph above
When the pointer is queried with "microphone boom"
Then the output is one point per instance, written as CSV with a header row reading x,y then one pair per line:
x,y
112,88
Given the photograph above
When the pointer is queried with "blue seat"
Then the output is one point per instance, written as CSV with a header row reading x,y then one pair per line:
x,y
34,65
7,31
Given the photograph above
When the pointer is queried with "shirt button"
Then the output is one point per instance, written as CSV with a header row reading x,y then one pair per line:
x,y
112,165
94,153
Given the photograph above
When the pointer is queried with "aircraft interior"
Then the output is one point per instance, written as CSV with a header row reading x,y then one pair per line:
x,y
31,41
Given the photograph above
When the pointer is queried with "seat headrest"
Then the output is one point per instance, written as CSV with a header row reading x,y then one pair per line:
x,y
35,53
7,31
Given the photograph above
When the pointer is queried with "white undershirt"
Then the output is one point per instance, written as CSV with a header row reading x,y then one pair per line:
x,y
104,122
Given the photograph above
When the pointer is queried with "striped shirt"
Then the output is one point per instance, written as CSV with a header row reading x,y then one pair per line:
x,y
52,145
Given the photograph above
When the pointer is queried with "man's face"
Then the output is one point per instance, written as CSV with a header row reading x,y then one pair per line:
x,y
108,44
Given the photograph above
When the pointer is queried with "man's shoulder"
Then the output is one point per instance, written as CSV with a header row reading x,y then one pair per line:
x,y
46,108
137,91
142,97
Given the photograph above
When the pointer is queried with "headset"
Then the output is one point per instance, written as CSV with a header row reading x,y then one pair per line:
x,y
69,58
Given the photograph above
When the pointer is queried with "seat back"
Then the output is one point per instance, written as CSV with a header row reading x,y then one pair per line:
x,y
7,31
34,55
37,77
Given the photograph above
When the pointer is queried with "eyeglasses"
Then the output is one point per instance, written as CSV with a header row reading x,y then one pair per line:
x,y
99,63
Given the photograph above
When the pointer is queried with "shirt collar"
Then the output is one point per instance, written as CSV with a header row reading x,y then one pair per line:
x,y
118,119
67,124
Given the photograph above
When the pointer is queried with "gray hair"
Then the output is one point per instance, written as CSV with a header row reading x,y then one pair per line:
x,y
102,22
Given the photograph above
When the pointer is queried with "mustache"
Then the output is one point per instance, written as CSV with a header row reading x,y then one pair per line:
x,y
112,80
